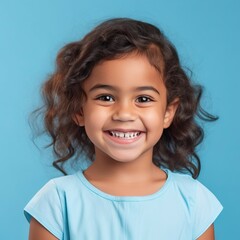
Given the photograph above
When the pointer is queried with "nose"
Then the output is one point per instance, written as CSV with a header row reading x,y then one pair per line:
x,y
124,112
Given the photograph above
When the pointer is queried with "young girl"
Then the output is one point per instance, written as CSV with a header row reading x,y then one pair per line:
x,y
120,97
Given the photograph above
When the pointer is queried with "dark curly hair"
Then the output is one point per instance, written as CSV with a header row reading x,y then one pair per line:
x,y
63,93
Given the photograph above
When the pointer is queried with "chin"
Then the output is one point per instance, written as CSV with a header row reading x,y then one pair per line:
x,y
124,158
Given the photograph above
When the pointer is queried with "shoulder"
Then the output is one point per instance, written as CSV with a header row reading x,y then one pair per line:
x,y
65,183
190,189
184,188
201,203
48,205
54,192
65,187
183,182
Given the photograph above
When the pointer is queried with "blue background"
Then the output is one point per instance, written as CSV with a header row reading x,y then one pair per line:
x,y
206,34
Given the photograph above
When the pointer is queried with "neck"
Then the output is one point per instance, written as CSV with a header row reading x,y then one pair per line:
x,y
124,172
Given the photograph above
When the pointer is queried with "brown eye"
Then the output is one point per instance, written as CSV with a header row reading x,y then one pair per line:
x,y
105,98
143,99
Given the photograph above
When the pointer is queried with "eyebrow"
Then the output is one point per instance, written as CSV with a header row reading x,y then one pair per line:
x,y
102,86
109,87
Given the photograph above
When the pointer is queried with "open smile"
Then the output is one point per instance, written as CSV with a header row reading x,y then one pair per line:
x,y
124,136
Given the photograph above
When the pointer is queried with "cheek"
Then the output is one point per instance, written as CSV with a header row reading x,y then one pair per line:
x,y
94,119
94,124
153,119
154,123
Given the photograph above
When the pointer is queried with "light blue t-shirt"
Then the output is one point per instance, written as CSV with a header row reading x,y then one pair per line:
x,y
72,208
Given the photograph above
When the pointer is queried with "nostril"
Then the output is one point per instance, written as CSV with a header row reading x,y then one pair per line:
x,y
124,116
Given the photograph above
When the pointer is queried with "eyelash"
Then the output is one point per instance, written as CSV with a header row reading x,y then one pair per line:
x,y
147,99
106,98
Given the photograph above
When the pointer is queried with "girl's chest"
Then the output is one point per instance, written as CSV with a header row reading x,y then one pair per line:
x,y
147,220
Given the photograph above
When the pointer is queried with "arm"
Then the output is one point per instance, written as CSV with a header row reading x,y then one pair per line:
x,y
38,232
208,234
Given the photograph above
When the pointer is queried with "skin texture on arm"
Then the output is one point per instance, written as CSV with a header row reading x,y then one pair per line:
x,y
208,234
38,232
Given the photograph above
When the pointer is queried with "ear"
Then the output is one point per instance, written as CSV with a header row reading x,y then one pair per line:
x,y
79,119
170,113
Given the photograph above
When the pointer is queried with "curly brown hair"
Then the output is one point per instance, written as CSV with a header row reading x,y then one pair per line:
x,y
63,93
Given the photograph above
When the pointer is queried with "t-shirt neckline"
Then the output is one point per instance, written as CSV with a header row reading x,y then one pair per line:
x,y
105,195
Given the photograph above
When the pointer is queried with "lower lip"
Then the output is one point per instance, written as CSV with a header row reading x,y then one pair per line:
x,y
123,140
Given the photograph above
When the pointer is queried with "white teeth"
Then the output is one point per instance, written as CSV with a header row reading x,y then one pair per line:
x,y
126,135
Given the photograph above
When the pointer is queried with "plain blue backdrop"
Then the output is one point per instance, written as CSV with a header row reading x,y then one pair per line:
x,y
206,34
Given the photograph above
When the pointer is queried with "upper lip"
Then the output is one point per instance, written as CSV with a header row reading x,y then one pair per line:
x,y
124,130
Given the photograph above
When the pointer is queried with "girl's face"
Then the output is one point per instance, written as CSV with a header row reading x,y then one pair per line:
x,y
126,109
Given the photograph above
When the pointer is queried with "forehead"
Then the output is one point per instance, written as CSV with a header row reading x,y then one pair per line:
x,y
130,71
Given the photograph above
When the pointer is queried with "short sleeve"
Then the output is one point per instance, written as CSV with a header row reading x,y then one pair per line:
x,y
46,208
206,210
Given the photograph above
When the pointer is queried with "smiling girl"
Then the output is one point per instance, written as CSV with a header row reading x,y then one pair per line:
x,y
120,97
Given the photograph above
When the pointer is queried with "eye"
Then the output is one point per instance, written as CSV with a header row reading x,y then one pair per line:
x,y
144,99
105,98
